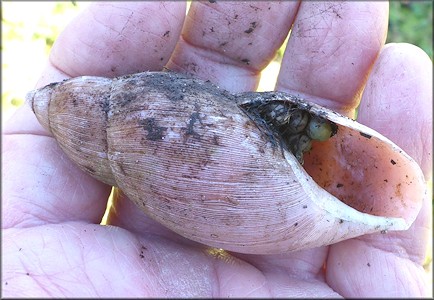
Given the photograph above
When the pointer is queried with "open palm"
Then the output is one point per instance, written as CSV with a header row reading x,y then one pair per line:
x,y
53,243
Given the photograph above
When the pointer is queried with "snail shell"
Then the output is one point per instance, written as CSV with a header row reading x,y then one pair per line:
x,y
198,160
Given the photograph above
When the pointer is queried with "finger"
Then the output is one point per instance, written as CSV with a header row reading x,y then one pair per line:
x,y
398,93
295,274
229,43
398,104
398,101
72,260
116,38
41,184
330,51
304,267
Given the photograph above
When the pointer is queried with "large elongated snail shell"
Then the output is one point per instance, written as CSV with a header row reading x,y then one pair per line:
x,y
196,159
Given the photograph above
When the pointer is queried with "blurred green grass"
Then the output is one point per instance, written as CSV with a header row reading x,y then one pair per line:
x,y
412,22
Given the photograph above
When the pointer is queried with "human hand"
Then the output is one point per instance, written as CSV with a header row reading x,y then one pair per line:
x,y
53,244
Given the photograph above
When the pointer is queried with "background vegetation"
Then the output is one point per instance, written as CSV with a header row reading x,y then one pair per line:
x,y
30,28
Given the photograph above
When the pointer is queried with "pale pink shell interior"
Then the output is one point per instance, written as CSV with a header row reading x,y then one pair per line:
x,y
367,174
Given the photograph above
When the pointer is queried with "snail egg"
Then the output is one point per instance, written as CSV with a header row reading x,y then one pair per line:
x,y
319,129
298,121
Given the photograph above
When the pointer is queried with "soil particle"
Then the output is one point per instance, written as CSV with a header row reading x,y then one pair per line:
x,y
255,7
155,132
251,28
216,140
365,135
189,129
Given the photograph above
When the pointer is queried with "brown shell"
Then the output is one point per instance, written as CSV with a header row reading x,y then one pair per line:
x,y
191,157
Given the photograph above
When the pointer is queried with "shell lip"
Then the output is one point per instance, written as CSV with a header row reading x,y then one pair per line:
x,y
340,210
382,220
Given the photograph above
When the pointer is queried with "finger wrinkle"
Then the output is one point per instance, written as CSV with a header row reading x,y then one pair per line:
x,y
219,57
31,214
133,26
398,246
16,216
57,65
226,13
119,38
216,286
263,287
13,134
213,8
170,13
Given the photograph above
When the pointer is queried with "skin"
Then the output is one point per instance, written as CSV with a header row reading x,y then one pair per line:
x,y
53,245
